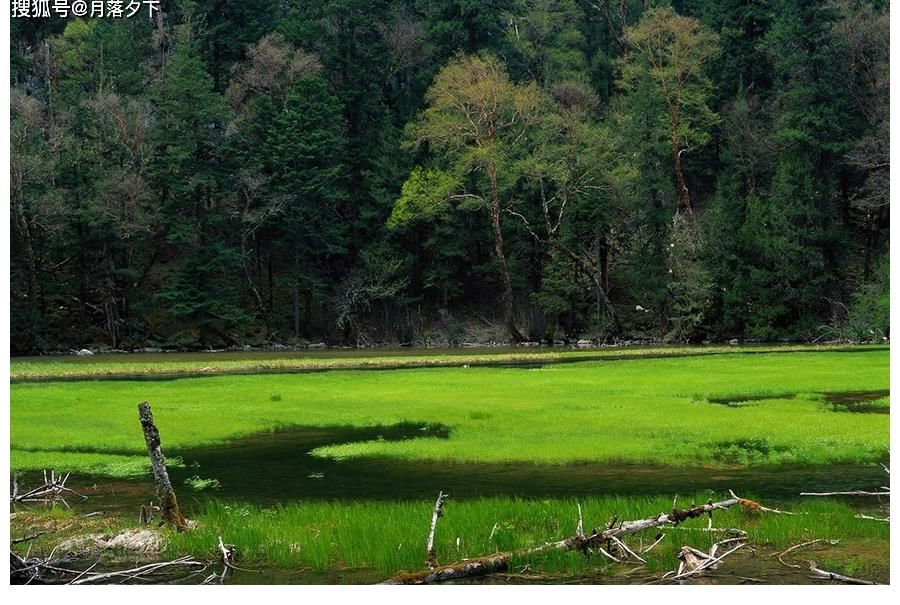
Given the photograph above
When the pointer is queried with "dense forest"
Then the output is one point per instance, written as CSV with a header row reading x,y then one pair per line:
x,y
359,172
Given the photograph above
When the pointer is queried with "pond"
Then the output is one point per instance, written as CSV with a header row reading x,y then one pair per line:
x,y
278,467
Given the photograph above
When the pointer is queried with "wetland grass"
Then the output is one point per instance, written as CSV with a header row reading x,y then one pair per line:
x,y
652,411
390,536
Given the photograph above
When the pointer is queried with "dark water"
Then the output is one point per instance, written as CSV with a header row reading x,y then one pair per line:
x,y
277,467
858,401
841,401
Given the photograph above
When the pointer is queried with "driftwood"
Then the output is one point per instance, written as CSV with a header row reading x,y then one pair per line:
x,y
850,493
886,491
136,573
52,490
431,560
168,504
781,554
694,562
591,542
817,573
25,570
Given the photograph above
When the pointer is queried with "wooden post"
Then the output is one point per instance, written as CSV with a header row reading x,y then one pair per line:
x,y
168,504
438,512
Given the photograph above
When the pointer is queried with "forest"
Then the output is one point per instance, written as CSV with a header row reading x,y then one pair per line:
x,y
362,172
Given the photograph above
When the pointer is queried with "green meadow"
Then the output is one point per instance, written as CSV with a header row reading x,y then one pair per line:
x,y
717,409
654,410
385,537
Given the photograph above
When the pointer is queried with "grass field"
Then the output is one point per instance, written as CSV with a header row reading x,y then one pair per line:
x,y
645,410
389,536
375,540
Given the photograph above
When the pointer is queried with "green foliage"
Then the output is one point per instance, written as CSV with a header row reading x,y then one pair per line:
x,y
318,535
225,174
424,195
869,316
199,484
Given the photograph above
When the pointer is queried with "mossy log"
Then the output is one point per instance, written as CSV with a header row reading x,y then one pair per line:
x,y
483,566
168,503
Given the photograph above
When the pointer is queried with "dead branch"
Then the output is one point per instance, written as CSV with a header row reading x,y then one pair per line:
x,y
652,546
695,562
588,543
627,550
431,560
24,570
137,572
609,556
751,505
850,493
781,554
830,575
228,554
26,538
50,491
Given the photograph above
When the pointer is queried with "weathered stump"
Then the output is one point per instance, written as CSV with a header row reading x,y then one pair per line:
x,y
168,504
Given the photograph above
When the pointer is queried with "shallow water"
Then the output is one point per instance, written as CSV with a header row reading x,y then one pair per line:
x,y
277,467
858,402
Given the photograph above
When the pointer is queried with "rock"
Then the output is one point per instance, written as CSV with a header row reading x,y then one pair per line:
x,y
83,352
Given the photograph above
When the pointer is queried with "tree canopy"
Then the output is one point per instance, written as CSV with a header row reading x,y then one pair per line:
x,y
398,172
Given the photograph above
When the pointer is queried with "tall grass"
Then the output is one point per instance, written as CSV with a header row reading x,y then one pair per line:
x,y
390,536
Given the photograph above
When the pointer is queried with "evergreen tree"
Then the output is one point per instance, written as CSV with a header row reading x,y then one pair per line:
x,y
192,176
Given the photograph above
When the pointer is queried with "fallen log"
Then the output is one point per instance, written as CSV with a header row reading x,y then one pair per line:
x,y
817,573
498,562
168,503
473,568
850,493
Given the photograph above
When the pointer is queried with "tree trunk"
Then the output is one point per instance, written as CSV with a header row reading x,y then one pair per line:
x,y
168,504
21,224
509,312
684,198
296,310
